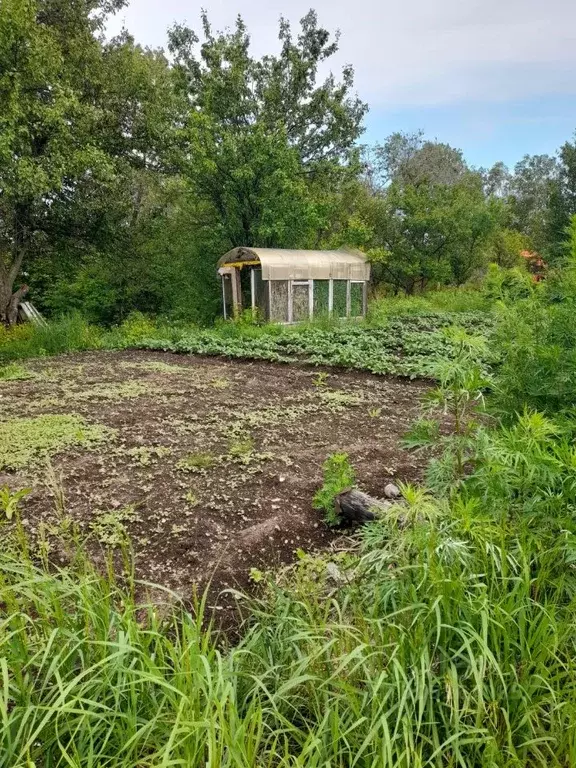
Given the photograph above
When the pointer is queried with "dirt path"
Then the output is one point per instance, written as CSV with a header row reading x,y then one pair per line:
x,y
213,464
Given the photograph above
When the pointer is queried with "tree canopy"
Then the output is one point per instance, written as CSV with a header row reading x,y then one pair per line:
x,y
125,173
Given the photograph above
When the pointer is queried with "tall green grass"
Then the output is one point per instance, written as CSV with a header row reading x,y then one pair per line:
x,y
450,300
70,333
448,640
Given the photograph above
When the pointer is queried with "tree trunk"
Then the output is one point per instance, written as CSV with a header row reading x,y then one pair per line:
x,y
10,266
10,299
14,304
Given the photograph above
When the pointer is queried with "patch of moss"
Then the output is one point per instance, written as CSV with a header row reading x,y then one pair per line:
x,y
191,498
15,372
336,399
155,366
109,527
125,390
243,445
25,441
196,462
147,455
219,383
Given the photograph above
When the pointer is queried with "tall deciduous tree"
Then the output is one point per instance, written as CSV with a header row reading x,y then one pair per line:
x,y
530,188
406,158
256,131
81,124
561,204
429,234
48,57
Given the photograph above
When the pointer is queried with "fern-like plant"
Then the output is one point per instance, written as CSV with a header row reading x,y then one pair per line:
x,y
338,476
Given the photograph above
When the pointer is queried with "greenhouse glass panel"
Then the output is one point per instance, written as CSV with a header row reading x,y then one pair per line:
x,y
339,307
279,301
300,302
356,299
321,289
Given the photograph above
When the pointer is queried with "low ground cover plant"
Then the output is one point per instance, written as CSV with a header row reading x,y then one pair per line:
x,y
400,344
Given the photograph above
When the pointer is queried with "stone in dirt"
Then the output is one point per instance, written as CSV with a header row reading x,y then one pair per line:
x,y
392,491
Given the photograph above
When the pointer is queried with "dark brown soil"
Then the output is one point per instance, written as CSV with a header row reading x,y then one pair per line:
x,y
265,430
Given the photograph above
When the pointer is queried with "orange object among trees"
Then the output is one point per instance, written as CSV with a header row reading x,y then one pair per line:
x,y
536,265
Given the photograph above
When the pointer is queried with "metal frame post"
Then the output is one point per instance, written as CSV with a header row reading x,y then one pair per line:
x,y
310,299
223,278
253,287
290,305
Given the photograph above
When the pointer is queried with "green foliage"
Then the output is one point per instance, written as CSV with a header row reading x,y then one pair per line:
x,y
507,284
31,440
67,334
10,500
249,154
462,381
423,433
406,346
196,462
466,299
395,340
15,372
561,205
109,527
535,339
241,447
506,246
431,234
531,190
338,476
526,470
44,124
349,670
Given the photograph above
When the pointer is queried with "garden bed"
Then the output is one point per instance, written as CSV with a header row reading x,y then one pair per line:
x,y
208,467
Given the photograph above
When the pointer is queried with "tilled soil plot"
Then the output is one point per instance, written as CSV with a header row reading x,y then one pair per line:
x,y
210,466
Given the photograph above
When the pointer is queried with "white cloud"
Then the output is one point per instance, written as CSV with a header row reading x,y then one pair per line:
x,y
411,52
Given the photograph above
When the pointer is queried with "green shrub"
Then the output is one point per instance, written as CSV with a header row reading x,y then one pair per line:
x,y
137,327
507,285
537,346
70,333
451,300
338,476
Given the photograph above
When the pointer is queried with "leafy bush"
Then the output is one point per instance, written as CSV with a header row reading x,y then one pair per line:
x,y
462,381
338,476
537,346
526,470
454,300
507,285
70,333
137,327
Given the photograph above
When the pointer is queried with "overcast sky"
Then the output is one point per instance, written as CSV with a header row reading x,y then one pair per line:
x,y
496,78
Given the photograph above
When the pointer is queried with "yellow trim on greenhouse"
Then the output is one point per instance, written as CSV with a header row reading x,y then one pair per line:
x,y
241,264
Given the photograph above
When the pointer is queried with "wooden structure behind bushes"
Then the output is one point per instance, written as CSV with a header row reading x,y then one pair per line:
x,y
289,286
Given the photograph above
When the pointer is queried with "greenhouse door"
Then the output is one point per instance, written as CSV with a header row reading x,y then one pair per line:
x,y
300,302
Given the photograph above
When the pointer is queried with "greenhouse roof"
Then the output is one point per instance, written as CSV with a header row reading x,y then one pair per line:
x,y
287,264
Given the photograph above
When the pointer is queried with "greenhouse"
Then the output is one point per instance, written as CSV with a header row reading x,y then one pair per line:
x,y
289,286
